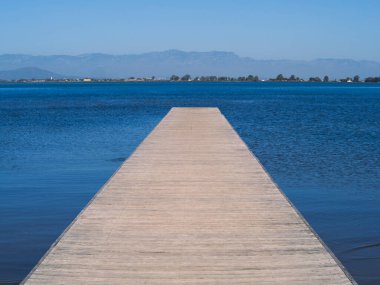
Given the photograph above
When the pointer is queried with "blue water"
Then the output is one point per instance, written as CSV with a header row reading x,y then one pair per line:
x,y
60,142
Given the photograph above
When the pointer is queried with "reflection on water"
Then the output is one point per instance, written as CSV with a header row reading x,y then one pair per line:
x,y
60,142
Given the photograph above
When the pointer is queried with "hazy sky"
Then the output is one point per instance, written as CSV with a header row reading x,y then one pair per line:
x,y
266,29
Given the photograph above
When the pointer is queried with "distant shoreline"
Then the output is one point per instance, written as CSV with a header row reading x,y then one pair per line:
x,y
23,81
189,78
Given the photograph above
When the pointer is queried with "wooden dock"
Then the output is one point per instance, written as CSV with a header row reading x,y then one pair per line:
x,y
192,205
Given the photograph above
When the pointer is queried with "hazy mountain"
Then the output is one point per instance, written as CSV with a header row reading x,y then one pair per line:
x,y
28,73
166,63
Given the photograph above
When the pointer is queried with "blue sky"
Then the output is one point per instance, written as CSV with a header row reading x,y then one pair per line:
x,y
270,29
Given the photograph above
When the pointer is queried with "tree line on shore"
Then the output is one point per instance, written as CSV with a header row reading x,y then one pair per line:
x,y
279,78
212,78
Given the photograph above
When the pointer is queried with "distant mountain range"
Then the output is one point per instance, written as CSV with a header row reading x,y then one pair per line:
x,y
167,63
28,73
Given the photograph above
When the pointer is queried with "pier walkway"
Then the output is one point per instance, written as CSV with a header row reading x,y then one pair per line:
x,y
192,205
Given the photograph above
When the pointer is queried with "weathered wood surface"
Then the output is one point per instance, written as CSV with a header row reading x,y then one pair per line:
x,y
192,205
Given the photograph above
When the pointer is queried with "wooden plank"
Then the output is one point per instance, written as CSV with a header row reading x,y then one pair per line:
x,y
192,205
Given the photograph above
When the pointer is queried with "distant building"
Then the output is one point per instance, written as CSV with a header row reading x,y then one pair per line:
x,y
87,79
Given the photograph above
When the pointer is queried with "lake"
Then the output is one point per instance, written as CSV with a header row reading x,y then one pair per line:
x,y
60,142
